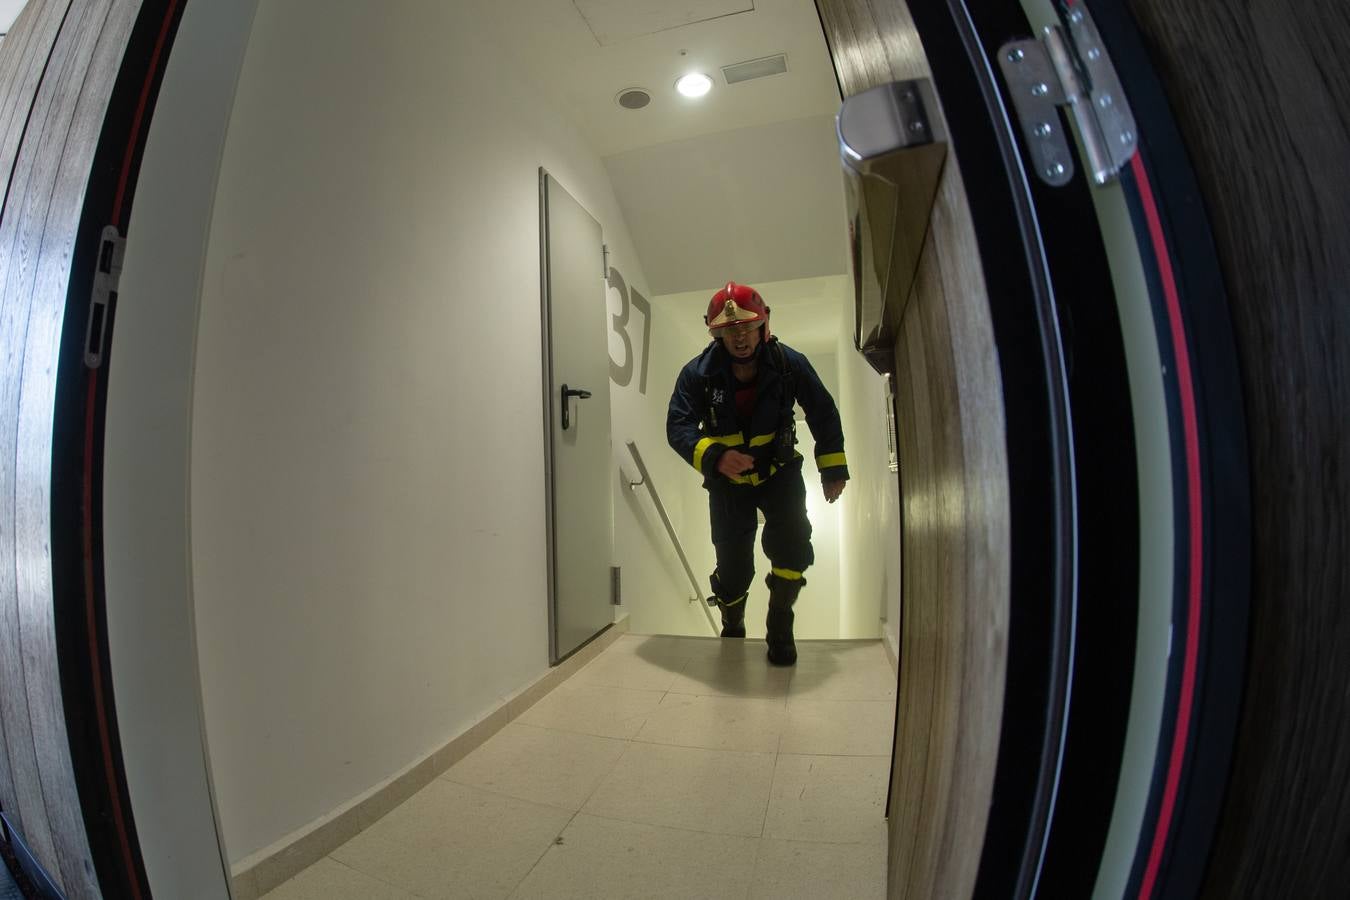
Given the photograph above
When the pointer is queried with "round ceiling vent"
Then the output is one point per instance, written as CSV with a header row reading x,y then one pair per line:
x,y
634,98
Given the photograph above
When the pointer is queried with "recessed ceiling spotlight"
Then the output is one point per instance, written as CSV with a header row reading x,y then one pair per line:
x,y
695,84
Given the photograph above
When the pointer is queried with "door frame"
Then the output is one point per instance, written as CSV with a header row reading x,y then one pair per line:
x,y
1208,437
546,408
87,74
550,398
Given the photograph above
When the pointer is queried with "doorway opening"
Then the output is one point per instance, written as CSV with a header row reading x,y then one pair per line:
x,y
365,454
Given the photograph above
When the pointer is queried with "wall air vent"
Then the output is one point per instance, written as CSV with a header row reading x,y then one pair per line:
x,y
755,68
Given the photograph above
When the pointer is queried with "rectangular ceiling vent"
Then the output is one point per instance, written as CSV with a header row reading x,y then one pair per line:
x,y
755,68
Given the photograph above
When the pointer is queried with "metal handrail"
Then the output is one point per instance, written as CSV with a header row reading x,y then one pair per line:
x,y
670,530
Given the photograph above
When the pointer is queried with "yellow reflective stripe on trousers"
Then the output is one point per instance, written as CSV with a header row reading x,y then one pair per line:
x,y
760,440
830,459
789,574
731,440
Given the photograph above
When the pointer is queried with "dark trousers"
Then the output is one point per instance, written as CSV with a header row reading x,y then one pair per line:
x,y
787,531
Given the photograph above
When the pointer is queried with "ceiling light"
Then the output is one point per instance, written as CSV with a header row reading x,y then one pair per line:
x,y
695,84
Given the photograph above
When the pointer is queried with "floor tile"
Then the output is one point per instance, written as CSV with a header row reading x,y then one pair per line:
x,y
699,770
751,677
836,799
798,870
331,880
606,858
661,646
844,652
594,709
632,671
848,676
838,727
541,765
450,840
720,791
715,723
444,811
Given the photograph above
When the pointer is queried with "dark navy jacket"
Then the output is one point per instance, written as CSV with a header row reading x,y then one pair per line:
x,y
702,422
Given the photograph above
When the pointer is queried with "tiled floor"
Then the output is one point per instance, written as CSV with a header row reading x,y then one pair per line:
x,y
667,767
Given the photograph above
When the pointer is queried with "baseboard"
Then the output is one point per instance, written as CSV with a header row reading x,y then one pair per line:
x,y
259,873
891,654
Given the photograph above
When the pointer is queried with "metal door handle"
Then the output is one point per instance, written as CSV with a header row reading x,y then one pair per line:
x,y
566,407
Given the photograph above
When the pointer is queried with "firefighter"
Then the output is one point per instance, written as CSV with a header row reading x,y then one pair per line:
x,y
731,418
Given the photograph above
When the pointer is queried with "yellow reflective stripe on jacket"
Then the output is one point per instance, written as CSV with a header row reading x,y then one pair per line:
x,y
731,440
761,439
789,574
699,449
830,459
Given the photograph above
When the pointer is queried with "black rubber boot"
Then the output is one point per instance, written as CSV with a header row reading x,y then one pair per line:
x,y
733,617
778,625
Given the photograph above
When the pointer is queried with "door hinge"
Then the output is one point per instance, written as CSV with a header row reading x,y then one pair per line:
x,y
1069,68
615,587
107,272
604,261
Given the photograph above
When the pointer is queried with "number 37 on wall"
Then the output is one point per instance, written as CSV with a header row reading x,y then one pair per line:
x,y
622,374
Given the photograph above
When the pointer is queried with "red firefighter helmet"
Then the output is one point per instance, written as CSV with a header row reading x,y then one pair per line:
x,y
736,304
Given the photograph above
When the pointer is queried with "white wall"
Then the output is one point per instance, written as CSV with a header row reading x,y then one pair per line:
x,y
870,521
9,11
367,485
820,608
776,189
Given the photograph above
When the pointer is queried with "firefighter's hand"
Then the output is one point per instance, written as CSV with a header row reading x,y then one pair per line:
x,y
833,489
734,462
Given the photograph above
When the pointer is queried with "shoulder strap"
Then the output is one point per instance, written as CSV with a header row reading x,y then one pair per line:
x,y
786,436
785,372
